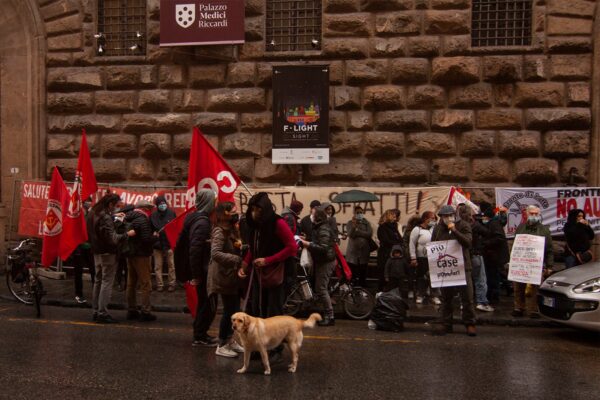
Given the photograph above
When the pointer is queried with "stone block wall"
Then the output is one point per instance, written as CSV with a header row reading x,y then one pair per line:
x,y
408,92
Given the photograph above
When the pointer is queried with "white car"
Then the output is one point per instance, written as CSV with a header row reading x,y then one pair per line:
x,y
571,297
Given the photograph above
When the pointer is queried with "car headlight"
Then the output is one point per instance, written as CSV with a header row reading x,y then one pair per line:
x,y
591,286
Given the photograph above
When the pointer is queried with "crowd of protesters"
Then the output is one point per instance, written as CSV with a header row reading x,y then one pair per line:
x,y
249,261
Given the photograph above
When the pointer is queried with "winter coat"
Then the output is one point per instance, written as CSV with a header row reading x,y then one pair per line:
x,y
142,243
224,263
158,220
306,227
577,235
102,235
538,229
495,245
192,252
322,244
463,234
480,232
291,218
418,239
332,222
388,236
395,267
359,236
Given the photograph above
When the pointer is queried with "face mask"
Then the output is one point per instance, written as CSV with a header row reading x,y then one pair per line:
x,y
448,219
87,204
431,224
485,221
360,216
534,219
162,207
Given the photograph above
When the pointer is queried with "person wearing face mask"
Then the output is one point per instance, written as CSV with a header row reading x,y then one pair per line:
x,y
330,211
82,257
480,231
579,235
452,228
528,301
495,250
388,235
306,222
139,263
162,248
359,233
419,266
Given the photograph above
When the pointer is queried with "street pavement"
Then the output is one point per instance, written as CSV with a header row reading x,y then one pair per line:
x,y
64,355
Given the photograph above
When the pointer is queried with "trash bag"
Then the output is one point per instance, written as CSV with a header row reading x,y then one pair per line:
x,y
390,311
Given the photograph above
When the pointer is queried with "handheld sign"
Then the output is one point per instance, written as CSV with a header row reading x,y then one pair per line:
x,y
446,264
527,259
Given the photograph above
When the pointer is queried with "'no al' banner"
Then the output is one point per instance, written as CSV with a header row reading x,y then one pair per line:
x,y
554,204
527,259
446,264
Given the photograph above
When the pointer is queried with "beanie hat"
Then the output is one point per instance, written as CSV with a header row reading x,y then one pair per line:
x,y
315,203
296,206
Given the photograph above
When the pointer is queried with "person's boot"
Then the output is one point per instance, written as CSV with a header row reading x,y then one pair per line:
x,y
471,331
328,320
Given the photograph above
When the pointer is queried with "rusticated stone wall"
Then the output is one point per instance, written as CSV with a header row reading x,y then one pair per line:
x,y
407,93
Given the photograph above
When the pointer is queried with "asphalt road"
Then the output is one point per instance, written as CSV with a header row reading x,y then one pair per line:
x,y
65,356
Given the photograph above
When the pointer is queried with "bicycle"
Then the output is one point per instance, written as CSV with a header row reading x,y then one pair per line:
x,y
358,302
22,276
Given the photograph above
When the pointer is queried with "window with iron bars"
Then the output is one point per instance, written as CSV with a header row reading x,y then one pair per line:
x,y
501,23
293,25
121,28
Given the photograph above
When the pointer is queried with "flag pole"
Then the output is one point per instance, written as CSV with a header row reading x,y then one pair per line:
x,y
246,187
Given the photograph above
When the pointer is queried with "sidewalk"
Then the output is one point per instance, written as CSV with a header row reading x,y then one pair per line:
x,y
62,293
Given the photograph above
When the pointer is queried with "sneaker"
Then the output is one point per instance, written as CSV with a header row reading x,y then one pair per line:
x,y
235,346
160,289
171,289
80,300
133,315
411,295
471,331
106,319
485,307
419,299
517,313
226,351
436,301
206,341
147,317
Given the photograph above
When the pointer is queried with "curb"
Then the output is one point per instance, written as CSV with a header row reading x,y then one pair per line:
x,y
500,321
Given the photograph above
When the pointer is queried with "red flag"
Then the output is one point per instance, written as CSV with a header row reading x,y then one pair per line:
x,y
58,196
209,170
74,227
173,228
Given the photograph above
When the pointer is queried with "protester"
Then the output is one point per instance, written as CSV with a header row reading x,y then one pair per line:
x,y
162,248
359,233
395,271
121,227
104,241
330,211
579,236
495,251
419,266
413,221
452,228
322,250
388,236
480,232
83,258
291,215
139,263
223,277
306,222
526,294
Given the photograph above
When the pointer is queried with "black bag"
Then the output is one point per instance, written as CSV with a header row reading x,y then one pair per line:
x,y
390,311
372,245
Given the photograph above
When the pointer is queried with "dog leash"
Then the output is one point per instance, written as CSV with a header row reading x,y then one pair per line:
x,y
245,303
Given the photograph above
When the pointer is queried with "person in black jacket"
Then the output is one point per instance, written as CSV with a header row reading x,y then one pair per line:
x,y
162,248
395,271
104,241
495,251
388,236
578,235
306,222
195,250
139,262
321,248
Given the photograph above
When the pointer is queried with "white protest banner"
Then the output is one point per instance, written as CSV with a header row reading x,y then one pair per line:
x,y
446,264
527,259
554,204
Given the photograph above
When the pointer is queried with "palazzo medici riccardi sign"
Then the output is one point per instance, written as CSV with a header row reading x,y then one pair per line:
x,y
206,22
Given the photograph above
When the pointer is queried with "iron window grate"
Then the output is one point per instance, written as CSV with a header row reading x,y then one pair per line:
x,y
501,23
293,25
121,28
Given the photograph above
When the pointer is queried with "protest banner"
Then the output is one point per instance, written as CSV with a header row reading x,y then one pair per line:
x,y
527,259
554,204
446,264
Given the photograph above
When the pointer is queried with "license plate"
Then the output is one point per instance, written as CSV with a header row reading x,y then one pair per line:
x,y
549,301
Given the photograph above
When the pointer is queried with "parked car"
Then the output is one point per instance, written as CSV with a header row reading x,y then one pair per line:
x,y
571,297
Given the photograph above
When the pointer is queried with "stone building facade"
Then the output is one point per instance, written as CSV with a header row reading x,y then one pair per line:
x,y
409,93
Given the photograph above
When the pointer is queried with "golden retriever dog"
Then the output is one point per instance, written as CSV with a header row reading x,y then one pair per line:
x,y
258,334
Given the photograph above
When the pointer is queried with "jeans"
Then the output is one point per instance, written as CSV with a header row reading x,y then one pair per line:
x,y
106,267
466,300
159,256
479,280
139,270
322,274
231,305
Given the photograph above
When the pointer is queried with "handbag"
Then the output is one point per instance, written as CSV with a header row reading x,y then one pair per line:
x,y
582,256
270,276
373,246
306,260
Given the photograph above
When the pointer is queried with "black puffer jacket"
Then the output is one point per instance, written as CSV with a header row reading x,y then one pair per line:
x,y
323,240
142,243
158,220
102,234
